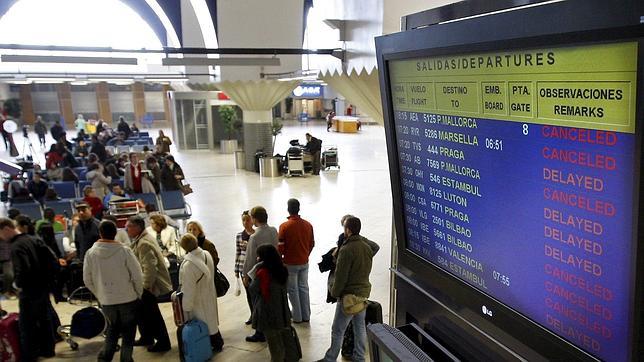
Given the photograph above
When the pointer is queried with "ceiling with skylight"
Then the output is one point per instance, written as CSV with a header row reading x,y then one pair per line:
x,y
96,23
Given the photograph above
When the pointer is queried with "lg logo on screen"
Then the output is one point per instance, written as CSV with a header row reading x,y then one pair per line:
x,y
486,311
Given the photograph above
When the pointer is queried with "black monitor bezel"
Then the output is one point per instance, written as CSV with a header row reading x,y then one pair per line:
x,y
483,34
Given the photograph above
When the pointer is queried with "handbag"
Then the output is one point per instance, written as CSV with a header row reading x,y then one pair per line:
x,y
221,283
293,349
186,189
237,287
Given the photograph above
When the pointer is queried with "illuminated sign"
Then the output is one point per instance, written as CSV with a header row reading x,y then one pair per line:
x,y
308,91
517,174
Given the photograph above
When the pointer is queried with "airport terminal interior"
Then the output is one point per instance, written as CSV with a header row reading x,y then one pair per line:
x,y
470,169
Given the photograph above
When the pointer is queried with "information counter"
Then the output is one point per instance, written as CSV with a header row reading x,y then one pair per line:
x,y
345,124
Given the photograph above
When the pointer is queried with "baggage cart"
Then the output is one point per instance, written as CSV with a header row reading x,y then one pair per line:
x,y
330,157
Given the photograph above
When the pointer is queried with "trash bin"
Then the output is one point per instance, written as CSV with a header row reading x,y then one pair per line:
x,y
258,155
269,167
240,160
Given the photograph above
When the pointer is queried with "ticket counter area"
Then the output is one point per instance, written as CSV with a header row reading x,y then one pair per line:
x,y
515,161
345,124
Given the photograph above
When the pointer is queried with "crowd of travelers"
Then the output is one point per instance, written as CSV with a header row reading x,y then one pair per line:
x,y
129,270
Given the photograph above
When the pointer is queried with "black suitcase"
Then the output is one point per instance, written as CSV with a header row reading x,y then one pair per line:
x,y
374,312
373,315
174,279
75,279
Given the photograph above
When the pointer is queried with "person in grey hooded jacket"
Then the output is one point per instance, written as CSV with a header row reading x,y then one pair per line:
x,y
113,274
100,182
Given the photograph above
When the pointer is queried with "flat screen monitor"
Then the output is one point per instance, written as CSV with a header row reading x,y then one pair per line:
x,y
517,173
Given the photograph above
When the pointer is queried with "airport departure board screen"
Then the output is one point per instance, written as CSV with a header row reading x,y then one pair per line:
x,y
517,176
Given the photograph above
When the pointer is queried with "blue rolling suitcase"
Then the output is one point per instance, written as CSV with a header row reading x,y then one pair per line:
x,y
194,341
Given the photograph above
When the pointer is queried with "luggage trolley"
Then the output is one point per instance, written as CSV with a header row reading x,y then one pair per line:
x,y
330,157
123,209
87,322
295,161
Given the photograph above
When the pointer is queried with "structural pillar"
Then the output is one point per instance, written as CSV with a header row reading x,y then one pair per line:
x,y
257,135
138,95
103,101
166,104
26,104
64,91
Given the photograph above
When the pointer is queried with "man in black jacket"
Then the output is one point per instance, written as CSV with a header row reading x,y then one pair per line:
x,y
86,232
30,277
314,146
37,187
57,131
171,175
123,127
98,149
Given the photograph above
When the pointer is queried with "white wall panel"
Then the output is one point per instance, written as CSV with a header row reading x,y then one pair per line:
x,y
121,102
154,102
45,102
84,102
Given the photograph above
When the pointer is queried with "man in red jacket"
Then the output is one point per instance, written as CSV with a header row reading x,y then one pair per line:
x,y
296,242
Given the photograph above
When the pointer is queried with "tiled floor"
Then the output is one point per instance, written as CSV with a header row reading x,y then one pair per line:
x,y
361,187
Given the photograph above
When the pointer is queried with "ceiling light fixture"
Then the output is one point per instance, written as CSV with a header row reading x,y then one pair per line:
x,y
222,61
9,58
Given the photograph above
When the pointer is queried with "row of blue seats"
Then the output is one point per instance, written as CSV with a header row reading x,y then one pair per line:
x,y
70,190
139,141
172,203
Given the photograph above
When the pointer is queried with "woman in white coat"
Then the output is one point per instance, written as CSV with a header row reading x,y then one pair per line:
x,y
199,295
165,236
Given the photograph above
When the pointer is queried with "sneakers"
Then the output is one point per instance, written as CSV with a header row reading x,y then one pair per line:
x,y
257,337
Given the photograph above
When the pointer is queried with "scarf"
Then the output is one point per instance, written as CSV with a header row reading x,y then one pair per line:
x,y
264,277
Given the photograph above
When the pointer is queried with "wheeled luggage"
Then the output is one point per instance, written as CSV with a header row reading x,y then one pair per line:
x,y
75,280
9,338
194,341
373,315
177,308
173,270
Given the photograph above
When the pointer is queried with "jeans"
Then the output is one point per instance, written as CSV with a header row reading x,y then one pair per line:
x,y
36,327
340,323
121,319
298,292
151,323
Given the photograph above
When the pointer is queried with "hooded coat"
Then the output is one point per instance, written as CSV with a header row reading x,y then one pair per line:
x,y
100,182
199,294
112,273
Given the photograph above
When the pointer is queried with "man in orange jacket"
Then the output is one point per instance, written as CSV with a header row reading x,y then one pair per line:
x,y
296,242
